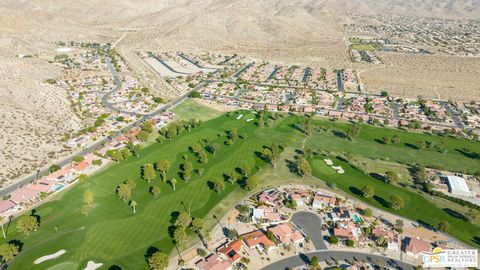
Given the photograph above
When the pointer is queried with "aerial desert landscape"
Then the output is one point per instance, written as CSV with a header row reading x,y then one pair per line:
x,y
297,32
239,134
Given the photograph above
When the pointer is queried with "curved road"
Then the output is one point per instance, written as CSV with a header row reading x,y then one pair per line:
x,y
303,259
310,224
100,143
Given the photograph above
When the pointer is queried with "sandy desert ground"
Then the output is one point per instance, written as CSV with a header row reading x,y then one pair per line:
x,y
35,115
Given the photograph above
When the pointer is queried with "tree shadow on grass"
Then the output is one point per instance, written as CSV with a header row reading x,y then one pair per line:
x,y
291,166
296,127
17,243
115,267
210,185
476,239
425,224
382,201
173,216
377,176
454,214
339,134
150,252
469,154
380,141
409,145
355,191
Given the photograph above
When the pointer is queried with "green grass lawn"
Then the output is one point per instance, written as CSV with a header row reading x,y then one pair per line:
x,y
459,157
416,208
113,235
190,108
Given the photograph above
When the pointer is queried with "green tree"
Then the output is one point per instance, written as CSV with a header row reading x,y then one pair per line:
x,y
396,202
395,139
472,214
8,252
350,243
163,166
88,198
27,224
143,136
124,192
386,140
354,131
78,159
333,240
158,261
197,224
203,157
314,262
391,176
443,226
149,172
368,212
183,220
218,185
155,191
54,168
303,167
82,177
147,126
179,235
267,155
421,144
85,209
214,148
251,183
368,191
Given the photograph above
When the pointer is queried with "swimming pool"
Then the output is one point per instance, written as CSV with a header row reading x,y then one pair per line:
x,y
356,218
58,187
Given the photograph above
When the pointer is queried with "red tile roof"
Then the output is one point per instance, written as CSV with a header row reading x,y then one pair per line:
x,y
255,238
232,250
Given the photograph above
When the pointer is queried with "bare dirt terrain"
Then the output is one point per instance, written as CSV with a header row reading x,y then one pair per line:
x,y
35,115
431,76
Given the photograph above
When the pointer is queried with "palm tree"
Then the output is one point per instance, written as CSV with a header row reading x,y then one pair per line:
x,y
173,182
133,204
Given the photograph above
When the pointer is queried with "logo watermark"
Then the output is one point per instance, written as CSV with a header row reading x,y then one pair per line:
x,y
451,258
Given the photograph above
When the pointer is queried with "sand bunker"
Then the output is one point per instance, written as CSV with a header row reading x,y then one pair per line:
x,y
339,169
240,117
91,265
328,162
50,257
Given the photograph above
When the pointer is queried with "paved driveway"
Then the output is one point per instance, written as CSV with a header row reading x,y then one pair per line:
x,y
311,225
303,259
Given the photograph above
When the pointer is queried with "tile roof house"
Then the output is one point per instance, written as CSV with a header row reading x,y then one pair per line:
x,y
257,239
232,250
267,214
286,234
392,236
24,194
272,197
413,246
340,214
320,201
347,230
213,262
6,206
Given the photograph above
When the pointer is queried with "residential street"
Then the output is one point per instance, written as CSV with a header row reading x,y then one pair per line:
x,y
303,259
311,225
